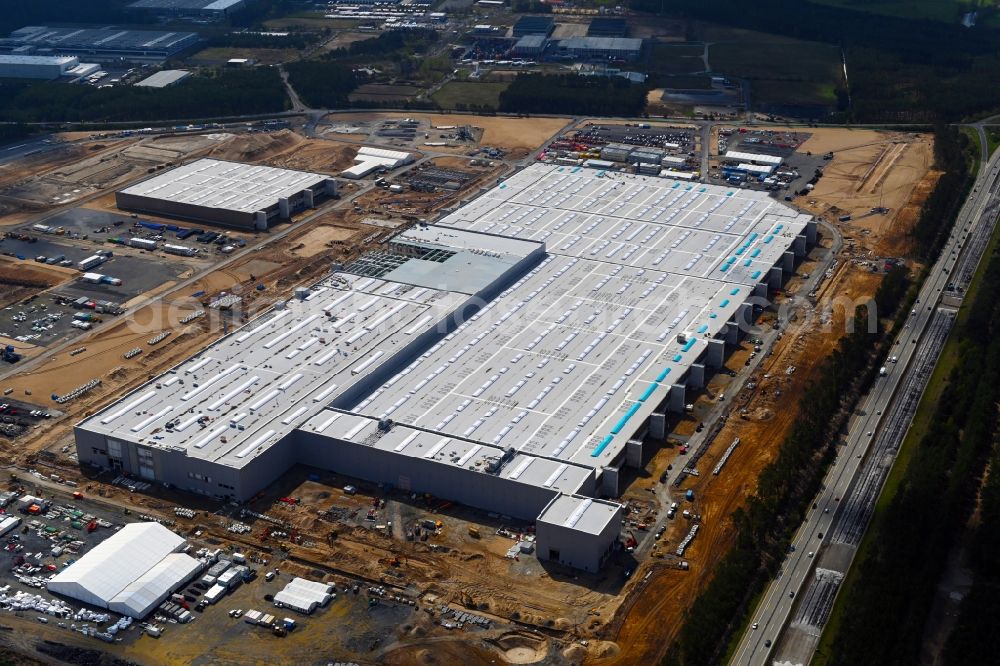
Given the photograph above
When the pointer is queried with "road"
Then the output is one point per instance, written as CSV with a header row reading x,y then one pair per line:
x,y
828,538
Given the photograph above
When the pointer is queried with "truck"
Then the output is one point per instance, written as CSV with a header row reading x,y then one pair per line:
x,y
142,243
882,372
689,495
90,262
179,250
52,261
93,278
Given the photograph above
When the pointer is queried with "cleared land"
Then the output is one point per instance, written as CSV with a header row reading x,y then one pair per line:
x,y
469,93
781,71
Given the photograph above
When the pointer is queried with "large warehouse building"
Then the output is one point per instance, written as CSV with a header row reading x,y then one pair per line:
x,y
98,43
215,10
132,572
519,351
227,193
36,67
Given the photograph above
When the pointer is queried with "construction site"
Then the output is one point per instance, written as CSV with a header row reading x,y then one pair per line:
x,y
432,576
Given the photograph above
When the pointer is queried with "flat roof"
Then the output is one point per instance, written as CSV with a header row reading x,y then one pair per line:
x,y
248,390
569,361
584,514
101,39
453,451
602,43
164,78
211,5
7,59
233,186
254,386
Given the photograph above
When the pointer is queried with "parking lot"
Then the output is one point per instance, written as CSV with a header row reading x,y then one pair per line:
x,y
652,137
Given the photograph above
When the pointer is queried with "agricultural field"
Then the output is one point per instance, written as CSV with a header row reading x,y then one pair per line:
x,y
781,71
676,59
455,94
948,11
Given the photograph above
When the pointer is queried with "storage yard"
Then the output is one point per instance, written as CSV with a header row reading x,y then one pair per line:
x,y
425,557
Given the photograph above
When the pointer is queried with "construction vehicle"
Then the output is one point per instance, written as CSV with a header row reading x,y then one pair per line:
x,y
474,532
279,630
631,542
10,355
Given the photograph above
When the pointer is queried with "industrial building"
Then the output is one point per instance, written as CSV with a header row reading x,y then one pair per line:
x,y
131,572
513,357
164,78
226,193
36,67
372,159
212,9
101,44
606,26
600,48
530,45
533,25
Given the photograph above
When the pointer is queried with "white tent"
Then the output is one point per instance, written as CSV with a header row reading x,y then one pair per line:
x,y
125,569
149,590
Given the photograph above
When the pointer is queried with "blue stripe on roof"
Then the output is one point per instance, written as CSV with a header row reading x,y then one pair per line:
x,y
756,274
712,316
725,302
768,239
704,327
734,292
648,392
629,414
663,375
677,358
755,252
748,262
689,344
600,447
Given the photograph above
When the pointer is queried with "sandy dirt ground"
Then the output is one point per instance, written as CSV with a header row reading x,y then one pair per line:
x,y
873,169
508,133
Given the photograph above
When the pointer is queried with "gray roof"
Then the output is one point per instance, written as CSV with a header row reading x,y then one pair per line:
x,y
226,185
164,78
601,43
584,514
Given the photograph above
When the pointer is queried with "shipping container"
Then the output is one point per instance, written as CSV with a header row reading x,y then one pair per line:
x,y
90,262
142,243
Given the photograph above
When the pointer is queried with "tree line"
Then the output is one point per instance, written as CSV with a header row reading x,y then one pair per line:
x,y
900,69
951,155
887,609
208,94
572,94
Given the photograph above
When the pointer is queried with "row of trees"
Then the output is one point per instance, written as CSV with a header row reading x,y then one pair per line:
x,y
888,606
571,94
785,488
208,94
901,70
951,155
321,83
413,40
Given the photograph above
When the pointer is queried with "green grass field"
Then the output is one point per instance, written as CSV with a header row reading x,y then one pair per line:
x,y
948,11
676,59
469,93
780,70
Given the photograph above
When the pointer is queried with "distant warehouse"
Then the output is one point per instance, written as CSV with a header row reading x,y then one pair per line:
x,y
162,79
601,48
227,193
36,67
98,43
214,9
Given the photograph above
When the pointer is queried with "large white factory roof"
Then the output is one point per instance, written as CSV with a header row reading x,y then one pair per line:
x,y
111,567
569,361
251,388
245,188
563,366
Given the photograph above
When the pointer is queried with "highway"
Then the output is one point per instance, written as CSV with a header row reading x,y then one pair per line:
x,y
825,544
